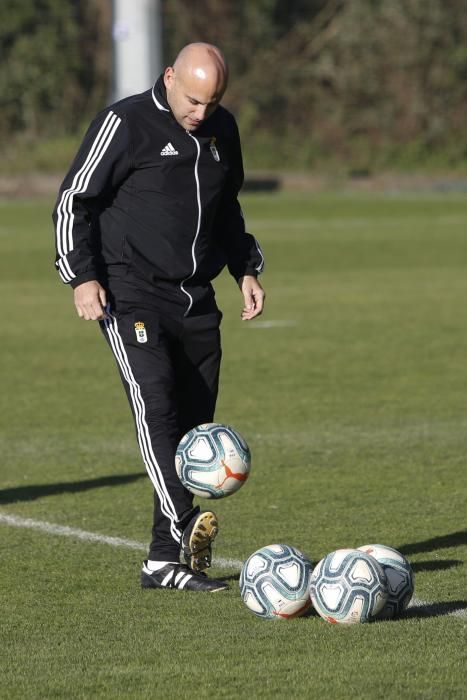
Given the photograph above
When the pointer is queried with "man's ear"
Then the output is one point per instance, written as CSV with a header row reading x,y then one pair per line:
x,y
168,77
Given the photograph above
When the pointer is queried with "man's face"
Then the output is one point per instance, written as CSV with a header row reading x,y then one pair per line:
x,y
192,98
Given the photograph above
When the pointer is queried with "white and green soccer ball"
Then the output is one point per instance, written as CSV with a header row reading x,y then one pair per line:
x,y
213,460
399,575
348,586
274,582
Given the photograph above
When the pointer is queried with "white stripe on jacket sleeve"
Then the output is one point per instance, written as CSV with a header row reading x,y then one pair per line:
x,y
81,180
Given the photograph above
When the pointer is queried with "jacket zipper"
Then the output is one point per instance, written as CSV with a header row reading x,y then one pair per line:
x,y
198,226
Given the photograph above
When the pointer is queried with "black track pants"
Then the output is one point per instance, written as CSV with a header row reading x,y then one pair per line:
x,y
169,366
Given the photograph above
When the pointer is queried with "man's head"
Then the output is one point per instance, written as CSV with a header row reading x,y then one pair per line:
x,y
195,84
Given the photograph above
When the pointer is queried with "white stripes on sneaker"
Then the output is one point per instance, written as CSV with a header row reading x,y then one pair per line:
x,y
181,579
142,429
167,579
172,579
65,216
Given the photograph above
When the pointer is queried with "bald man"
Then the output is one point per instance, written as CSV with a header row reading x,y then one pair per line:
x,y
147,216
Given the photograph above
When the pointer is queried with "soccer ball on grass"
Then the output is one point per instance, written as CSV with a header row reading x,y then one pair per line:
x,y
399,575
348,586
274,582
213,460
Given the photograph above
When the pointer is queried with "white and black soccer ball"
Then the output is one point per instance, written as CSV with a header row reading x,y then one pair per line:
x,y
213,460
399,575
348,586
274,582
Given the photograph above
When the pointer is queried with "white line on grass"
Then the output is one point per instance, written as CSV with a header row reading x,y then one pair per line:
x,y
65,531
76,533
437,607
273,324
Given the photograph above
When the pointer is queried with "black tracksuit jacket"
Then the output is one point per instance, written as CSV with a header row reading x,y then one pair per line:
x,y
148,201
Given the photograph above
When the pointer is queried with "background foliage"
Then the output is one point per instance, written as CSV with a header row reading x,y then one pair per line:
x,y
364,83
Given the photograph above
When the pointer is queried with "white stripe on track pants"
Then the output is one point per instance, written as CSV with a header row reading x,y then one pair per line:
x,y
171,381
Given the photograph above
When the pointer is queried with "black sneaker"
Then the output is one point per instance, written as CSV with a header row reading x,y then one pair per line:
x,y
197,539
181,577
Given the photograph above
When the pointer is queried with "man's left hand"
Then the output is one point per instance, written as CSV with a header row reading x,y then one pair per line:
x,y
253,295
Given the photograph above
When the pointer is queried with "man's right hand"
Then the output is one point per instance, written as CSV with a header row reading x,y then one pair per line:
x,y
90,301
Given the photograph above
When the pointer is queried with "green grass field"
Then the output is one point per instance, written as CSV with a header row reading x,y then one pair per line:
x,y
355,409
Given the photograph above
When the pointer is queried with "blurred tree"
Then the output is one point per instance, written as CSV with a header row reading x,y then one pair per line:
x,y
49,76
396,72
361,82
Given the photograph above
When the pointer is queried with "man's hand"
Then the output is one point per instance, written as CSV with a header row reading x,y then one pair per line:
x,y
253,295
90,301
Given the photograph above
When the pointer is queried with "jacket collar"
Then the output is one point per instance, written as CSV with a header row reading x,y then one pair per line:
x,y
159,95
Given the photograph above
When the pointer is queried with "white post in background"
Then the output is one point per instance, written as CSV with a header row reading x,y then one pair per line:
x,y
137,46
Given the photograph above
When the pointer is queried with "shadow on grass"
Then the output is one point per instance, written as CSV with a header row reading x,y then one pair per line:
x,y
436,609
453,540
35,491
436,565
231,577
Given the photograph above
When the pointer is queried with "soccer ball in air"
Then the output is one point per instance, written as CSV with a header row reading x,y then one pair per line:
x,y
213,460
348,586
274,582
399,575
